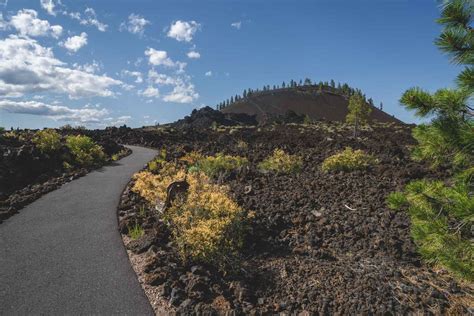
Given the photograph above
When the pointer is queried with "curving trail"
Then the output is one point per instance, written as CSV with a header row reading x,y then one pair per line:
x,y
63,253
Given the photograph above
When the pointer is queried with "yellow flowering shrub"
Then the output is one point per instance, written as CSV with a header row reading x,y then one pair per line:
x,y
85,151
47,140
207,225
281,162
348,160
153,186
192,158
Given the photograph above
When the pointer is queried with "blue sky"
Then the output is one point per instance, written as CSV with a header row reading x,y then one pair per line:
x,y
99,63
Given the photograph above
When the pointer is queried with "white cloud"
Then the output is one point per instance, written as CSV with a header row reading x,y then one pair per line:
x,y
26,23
208,74
74,43
49,6
161,79
28,67
135,25
182,93
136,74
237,25
158,57
183,90
194,55
150,92
183,30
91,68
56,112
90,19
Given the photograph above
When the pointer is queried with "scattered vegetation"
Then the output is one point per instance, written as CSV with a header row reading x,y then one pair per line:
x,y
242,145
307,84
359,111
47,140
85,151
214,165
348,160
442,211
136,231
206,224
156,163
281,162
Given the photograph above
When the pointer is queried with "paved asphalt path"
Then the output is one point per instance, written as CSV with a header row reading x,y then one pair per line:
x,y
63,253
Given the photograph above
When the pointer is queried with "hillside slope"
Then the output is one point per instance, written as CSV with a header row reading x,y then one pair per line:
x,y
325,105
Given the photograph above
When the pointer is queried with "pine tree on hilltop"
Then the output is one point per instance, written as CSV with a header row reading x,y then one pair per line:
x,y
359,111
442,211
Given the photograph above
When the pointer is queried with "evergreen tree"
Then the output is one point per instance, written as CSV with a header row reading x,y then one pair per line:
x,y
442,211
245,93
371,102
333,84
359,111
381,106
231,100
307,82
283,85
301,82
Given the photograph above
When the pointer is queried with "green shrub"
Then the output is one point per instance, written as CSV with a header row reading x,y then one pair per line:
x,y
281,162
213,165
348,160
135,232
85,151
156,163
47,140
441,221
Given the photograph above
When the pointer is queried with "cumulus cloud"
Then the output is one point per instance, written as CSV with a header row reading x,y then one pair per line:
x,y
135,24
150,92
182,93
183,90
28,67
56,112
49,6
158,57
183,30
194,55
208,74
74,43
237,25
26,23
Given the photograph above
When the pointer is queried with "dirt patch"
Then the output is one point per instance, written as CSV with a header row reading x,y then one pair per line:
x,y
319,242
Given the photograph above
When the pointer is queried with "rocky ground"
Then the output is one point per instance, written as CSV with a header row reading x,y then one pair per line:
x,y
26,173
320,243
